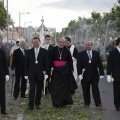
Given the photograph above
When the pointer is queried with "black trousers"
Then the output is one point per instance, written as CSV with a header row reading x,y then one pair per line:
x,y
17,85
95,91
116,90
2,94
35,91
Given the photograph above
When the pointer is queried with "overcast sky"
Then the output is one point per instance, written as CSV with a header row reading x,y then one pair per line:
x,y
56,13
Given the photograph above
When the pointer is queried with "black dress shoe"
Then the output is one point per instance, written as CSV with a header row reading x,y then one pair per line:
x,y
29,108
56,106
99,105
38,107
15,98
117,109
86,105
4,113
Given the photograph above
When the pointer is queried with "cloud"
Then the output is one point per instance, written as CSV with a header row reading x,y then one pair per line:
x,y
57,13
82,5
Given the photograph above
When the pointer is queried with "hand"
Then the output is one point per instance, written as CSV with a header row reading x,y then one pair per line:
x,y
83,70
112,79
52,69
7,77
46,76
26,77
101,77
80,77
109,78
13,72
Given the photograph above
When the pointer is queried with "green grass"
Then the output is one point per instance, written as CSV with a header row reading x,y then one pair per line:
x,y
72,112
104,64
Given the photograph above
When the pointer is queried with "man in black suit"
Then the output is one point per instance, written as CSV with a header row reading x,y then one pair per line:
x,y
88,63
18,65
4,73
36,63
74,54
49,48
113,73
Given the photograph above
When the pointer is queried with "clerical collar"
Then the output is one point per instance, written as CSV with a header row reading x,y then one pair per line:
x,y
60,48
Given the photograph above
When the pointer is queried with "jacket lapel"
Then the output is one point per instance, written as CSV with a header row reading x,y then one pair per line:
x,y
33,53
20,51
117,51
86,55
39,53
93,55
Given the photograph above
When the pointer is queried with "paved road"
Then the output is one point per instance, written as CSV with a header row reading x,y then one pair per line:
x,y
106,90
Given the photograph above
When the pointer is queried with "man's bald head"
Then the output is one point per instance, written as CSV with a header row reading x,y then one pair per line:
x,y
88,45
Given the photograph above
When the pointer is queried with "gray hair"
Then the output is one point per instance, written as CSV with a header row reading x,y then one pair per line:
x,y
21,42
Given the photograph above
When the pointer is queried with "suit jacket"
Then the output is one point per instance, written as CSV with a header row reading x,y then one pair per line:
x,y
31,67
49,54
3,64
49,49
113,64
18,61
91,69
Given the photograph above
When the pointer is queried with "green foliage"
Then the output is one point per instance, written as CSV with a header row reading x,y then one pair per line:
x,y
96,16
96,19
3,17
104,65
72,26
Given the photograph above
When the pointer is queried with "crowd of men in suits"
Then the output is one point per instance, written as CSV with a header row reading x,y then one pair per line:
x,y
54,64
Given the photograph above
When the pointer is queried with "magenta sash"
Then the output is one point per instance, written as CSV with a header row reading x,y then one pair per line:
x,y
59,63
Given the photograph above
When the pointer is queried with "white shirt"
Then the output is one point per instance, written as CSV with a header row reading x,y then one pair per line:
x,y
21,49
37,49
36,52
90,53
118,49
47,46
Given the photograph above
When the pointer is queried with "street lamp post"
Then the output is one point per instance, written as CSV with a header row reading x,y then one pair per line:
x,y
7,19
20,20
25,26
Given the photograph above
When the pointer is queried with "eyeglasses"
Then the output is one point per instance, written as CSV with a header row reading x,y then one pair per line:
x,y
47,39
